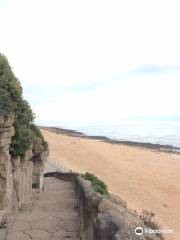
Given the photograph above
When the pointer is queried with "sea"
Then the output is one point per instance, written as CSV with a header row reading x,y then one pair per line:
x,y
163,133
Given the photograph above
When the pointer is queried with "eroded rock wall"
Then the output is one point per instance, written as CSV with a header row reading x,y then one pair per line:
x,y
6,132
22,183
17,174
105,218
39,158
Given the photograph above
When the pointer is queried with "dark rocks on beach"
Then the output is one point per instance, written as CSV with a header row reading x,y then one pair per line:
x,y
74,133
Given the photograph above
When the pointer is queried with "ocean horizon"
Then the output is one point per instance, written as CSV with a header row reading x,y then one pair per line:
x,y
162,133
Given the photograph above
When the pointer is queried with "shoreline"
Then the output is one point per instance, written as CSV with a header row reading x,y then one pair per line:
x,y
152,146
139,175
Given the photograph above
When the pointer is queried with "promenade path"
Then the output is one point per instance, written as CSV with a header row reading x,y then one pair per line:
x,y
52,216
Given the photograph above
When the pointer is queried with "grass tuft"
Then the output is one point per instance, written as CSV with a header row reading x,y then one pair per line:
x,y
97,185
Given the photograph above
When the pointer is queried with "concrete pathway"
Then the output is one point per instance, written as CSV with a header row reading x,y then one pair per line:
x,y
53,215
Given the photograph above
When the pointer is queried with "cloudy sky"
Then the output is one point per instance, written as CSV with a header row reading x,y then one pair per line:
x,y
94,61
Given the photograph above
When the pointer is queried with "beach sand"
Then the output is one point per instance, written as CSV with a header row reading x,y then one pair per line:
x,y
145,178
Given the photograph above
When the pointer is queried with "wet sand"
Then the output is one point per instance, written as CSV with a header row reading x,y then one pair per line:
x,y
146,178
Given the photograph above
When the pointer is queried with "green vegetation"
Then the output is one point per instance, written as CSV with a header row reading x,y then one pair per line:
x,y
10,89
35,185
97,184
11,100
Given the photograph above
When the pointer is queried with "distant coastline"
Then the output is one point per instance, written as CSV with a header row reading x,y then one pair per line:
x,y
152,146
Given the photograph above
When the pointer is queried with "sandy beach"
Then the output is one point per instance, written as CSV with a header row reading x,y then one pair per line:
x,y
145,178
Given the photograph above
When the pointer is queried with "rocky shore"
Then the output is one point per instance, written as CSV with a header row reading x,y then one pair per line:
x,y
152,146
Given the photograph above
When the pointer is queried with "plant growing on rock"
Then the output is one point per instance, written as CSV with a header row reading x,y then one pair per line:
x,y
148,219
11,100
97,185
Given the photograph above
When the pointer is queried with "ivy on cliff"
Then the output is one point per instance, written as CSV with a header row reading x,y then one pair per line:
x,y
11,100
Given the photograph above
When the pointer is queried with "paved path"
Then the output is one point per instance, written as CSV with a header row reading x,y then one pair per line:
x,y
53,215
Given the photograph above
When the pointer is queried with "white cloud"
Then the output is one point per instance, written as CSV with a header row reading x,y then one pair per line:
x,y
55,44
140,96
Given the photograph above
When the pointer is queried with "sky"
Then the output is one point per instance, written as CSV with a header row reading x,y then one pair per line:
x,y
98,61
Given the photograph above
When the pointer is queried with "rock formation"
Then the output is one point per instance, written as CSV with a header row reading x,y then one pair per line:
x,y
17,175
39,158
6,132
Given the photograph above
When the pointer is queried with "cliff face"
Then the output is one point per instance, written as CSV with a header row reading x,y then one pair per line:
x,y
39,158
17,175
6,132
21,181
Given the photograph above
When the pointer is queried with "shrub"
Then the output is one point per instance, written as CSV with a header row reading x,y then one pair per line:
x,y
35,185
148,219
23,134
97,184
11,100
37,134
10,89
